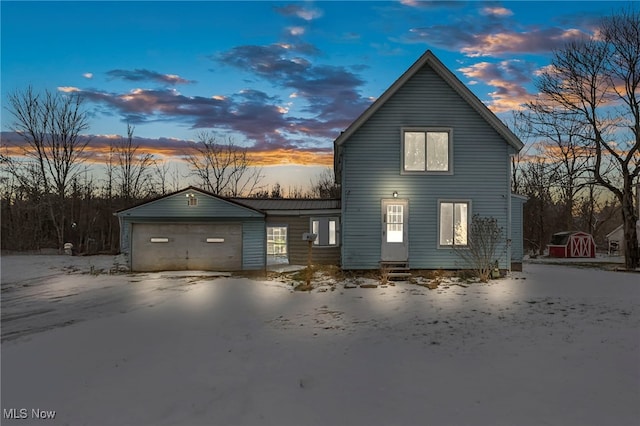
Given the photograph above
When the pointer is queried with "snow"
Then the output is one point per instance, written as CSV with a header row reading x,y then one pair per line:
x,y
551,345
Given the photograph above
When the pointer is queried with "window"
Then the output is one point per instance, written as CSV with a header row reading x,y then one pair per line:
x,y
426,150
326,228
277,240
454,221
192,200
395,223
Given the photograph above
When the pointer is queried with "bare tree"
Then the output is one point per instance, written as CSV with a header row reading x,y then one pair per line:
x,y
162,171
483,239
296,191
325,185
562,142
223,168
536,178
598,80
133,167
276,191
51,125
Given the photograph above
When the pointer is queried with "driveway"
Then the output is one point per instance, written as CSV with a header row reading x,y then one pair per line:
x,y
40,293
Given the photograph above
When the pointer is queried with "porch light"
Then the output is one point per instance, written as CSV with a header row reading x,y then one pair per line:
x,y
395,194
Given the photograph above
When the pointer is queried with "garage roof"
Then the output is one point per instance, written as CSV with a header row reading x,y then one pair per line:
x,y
174,205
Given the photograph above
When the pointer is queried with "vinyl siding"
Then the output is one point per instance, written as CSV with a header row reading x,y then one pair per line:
x,y
371,172
176,206
254,245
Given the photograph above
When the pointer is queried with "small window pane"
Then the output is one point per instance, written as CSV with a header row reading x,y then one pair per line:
x,y
461,224
414,151
276,240
315,226
332,232
446,224
395,223
438,151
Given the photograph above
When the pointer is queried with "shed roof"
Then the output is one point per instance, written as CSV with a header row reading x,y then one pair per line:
x,y
428,58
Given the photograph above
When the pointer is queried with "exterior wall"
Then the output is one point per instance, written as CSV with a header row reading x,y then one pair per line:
x,y
254,245
297,248
175,205
371,171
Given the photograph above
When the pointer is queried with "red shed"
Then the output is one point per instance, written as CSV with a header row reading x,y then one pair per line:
x,y
572,244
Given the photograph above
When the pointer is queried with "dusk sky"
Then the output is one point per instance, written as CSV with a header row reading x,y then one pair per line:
x,y
282,78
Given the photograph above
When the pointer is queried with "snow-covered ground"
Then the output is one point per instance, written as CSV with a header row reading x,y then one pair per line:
x,y
554,345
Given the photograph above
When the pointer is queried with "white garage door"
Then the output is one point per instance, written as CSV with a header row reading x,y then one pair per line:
x,y
189,246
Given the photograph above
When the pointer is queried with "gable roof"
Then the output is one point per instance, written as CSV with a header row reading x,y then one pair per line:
x,y
187,189
428,58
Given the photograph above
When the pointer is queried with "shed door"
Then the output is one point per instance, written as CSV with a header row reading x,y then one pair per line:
x,y
188,246
395,244
580,246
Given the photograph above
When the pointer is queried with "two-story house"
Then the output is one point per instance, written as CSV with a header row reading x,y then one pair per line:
x,y
416,166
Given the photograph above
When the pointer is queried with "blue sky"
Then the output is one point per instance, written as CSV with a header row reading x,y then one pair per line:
x,y
282,78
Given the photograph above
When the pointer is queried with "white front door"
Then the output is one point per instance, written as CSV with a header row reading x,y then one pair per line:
x,y
395,244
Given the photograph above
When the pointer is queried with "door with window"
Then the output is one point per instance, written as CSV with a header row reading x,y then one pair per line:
x,y
395,244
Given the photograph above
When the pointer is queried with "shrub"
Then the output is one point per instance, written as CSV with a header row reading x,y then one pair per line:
x,y
482,243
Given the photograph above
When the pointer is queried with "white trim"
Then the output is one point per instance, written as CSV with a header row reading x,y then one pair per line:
x,y
316,243
425,130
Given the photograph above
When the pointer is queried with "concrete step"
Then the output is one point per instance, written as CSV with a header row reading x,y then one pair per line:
x,y
398,274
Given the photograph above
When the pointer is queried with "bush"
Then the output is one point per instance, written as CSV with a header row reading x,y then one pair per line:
x,y
482,243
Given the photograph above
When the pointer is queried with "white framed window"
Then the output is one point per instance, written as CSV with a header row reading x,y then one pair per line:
x,y
326,228
426,150
395,223
453,219
277,240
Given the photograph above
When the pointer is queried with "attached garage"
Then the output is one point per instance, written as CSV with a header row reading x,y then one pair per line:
x,y
186,246
193,230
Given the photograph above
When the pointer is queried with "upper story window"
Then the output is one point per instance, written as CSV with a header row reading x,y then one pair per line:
x,y
426,150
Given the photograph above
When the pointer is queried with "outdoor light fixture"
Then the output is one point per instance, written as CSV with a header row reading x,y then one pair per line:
x,y
189,195
395,194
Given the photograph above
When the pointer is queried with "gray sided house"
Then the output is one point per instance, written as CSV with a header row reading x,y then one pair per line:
x,y
416,166
288,219
192,229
